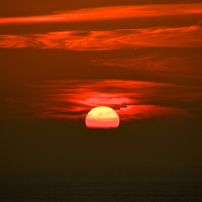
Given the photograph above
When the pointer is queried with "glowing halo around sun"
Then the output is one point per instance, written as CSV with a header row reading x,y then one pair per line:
x,y
102,117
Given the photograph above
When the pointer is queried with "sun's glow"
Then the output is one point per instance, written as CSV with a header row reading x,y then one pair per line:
x,y
102,117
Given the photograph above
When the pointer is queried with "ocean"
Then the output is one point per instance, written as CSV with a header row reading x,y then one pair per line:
x,y
102,191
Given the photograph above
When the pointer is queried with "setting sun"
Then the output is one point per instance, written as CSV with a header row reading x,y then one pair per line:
x,y
102,117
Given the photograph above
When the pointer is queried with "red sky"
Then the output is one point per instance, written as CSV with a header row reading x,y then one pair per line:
x,y
60,59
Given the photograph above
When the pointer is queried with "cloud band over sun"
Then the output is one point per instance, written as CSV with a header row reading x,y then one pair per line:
x,y
73,99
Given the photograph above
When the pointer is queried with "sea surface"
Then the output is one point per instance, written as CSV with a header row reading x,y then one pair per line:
x,y
136,191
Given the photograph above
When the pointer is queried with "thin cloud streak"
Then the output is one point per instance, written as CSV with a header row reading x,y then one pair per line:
x,y
108,40
156,63
108,13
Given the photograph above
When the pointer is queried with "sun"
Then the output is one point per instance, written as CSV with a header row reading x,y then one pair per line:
x,y
102,117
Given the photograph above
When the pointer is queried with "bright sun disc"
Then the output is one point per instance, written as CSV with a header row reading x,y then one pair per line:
x,y
102,117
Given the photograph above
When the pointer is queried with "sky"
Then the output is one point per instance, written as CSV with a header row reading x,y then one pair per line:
x,y
60,59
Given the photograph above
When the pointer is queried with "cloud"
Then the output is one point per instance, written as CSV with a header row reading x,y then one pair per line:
x,y
107,40
149,112
132,100
73,99
108,13
156,63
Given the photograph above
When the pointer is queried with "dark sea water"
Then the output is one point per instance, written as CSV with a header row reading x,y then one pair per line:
x,y
102,191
